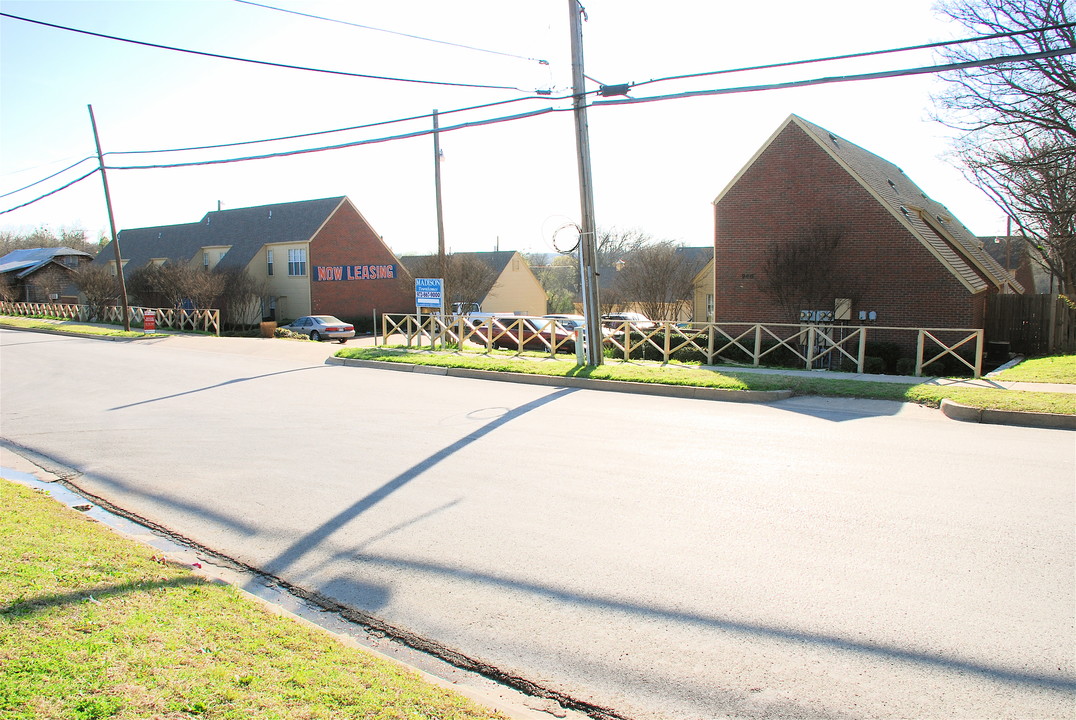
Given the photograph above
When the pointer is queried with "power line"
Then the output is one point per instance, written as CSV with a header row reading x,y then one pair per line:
x,y
263,62
929,69
335,130
50,177
392,32
59,189
624,101
341,146
851,56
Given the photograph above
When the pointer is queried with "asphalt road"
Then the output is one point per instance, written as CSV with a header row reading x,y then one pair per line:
x,y
659,557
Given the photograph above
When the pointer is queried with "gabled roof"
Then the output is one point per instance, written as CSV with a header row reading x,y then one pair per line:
x,y
927,220
29,260
497,260
244,230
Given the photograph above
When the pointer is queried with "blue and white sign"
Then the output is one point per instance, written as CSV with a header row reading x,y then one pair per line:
x,y
429,292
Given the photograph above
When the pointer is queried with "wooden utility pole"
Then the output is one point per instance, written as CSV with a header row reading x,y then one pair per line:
x,y
441,260
588,236
112,225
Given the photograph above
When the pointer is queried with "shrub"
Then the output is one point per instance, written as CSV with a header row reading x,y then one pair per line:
x,y
887,352
285,333
873,365
905,366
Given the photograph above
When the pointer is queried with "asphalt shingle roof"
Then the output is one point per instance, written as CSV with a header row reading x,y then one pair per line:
x,y
964,257
27,260
246,230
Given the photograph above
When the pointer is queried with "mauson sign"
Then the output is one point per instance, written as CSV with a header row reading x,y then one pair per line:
x,y
324,273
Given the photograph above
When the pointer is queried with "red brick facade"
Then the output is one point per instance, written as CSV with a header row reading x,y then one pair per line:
x,y
794,184
361,260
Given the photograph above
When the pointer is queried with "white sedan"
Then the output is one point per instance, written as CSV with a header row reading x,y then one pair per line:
x,y
323,327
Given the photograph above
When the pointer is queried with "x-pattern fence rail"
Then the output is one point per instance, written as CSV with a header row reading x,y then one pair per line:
x,y
809,346
172,318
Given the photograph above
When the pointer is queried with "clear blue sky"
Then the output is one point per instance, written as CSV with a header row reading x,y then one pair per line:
x,y
657,166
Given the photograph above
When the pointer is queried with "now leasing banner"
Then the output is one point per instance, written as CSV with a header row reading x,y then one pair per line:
x,y
325,273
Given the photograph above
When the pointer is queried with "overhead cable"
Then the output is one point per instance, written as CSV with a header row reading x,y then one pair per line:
x,y
335,130
851,56
341,146
50,177
926,70
264,62
53,192
392,32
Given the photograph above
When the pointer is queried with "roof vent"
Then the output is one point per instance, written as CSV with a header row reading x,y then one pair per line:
x,y
891,183
159,235
833,138
270,214
904,210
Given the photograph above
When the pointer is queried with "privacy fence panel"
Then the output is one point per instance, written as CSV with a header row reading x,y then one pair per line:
x,y
1031,324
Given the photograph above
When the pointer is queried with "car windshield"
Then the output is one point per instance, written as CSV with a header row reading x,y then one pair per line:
x,y
328,320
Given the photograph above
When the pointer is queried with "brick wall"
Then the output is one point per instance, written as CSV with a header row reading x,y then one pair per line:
x,y
347,241
794,184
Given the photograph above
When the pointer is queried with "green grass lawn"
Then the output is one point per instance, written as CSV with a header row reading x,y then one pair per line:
x,y
67,326
1055,369
931,395
91,626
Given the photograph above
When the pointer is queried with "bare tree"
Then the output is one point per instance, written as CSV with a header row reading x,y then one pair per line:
x,y
658,278
615,245
44,237
241,297
801,273
1019,120
171,285
560,280
100,287
468,279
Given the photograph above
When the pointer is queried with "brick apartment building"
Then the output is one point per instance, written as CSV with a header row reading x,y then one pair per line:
x,y
902,259
315,256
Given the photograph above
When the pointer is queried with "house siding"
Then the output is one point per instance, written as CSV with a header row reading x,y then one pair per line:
x,y
517,290
794,184
347,240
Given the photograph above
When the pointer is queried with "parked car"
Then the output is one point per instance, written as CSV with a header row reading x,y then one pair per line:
x,y
570,322
516,332
323,327
633,321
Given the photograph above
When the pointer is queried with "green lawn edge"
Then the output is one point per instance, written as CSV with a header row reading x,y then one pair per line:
x,y
94,625
67,326
923,394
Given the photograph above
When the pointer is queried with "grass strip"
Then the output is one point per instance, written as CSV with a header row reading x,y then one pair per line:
x,y
924,394
1053,369
74,328
91,626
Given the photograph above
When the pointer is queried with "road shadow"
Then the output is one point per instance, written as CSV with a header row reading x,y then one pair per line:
x,y
880,651
318,535
26,608
215,386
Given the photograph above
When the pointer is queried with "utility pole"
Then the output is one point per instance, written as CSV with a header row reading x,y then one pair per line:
x,y
588,231
112,225
441,260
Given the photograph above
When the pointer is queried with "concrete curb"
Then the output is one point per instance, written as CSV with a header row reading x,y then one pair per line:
x,y
966,413
677,391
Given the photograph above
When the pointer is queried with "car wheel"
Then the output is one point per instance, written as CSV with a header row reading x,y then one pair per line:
x,y
315,335
342,341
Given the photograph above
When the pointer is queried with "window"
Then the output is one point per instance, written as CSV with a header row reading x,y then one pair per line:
x,y
297,262
709,307
205,260
269,262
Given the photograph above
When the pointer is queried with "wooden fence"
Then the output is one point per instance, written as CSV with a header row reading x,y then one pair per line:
x,y
171,318
808,346
1031,324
